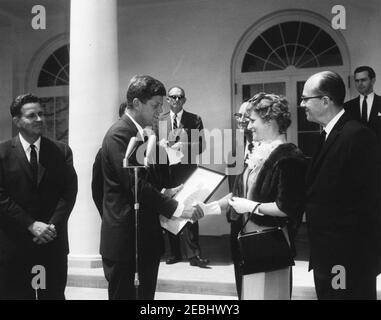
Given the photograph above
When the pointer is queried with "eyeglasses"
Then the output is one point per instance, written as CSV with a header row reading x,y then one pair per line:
x,y
177,97
305,99
239,116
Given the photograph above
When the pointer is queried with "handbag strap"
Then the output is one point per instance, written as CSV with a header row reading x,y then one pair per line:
x,y
252,212
248,218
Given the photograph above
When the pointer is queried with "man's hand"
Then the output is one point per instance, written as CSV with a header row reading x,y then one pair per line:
x,y
163,143
43,233
173,191
179,146
193,213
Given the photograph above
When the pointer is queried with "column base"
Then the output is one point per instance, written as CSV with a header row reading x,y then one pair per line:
x,y
84,261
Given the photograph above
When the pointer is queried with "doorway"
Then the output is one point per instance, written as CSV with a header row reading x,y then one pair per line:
x,y
302,133
277,55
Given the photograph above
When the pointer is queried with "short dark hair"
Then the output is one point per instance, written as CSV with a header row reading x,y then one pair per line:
x,y
177,87
271,107
370,70
332,85
144,88
20,100
122,108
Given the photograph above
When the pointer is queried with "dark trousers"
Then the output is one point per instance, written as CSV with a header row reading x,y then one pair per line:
x,y
16,278
235,227
360,285
120,276
189,236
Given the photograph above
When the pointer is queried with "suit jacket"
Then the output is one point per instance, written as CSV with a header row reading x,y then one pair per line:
x,y
118,221
342,210
22,203
97,182
196,145
352,107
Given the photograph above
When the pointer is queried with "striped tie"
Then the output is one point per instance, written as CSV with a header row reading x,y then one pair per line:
x,y
174,122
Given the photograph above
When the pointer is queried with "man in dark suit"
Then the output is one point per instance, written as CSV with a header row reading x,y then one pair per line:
x,y
235,185
38,187
181,124
342,211
367,106
97,175
144,104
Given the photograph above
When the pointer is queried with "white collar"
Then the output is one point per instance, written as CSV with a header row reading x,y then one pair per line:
x,y
26,145
328,128
137,125
370,96
178,115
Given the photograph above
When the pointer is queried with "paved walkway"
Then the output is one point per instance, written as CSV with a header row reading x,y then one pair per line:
x,y
192,283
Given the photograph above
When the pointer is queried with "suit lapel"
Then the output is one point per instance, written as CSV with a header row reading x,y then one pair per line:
x,y
44,154
169,123
21,156
184,120
357,108
376,108
318,159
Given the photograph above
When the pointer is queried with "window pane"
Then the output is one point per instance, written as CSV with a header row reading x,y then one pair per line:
x,y
291,43
55,71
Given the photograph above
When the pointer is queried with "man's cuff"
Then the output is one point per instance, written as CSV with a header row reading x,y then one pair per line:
x,y
179,210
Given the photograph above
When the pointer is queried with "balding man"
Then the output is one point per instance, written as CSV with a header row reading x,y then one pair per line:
x,y
180,121
341,210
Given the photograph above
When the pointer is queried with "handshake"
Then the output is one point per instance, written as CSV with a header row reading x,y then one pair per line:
x,y
193,213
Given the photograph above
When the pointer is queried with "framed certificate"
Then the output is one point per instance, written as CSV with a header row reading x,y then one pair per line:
x,y
200,186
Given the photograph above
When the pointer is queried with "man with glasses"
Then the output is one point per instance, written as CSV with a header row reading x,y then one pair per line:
x,y
341,207
235,184
38,188
180,124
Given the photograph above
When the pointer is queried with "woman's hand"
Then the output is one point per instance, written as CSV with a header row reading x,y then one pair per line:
x,y
241,205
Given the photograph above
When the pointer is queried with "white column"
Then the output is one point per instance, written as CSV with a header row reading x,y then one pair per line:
x,y
94,101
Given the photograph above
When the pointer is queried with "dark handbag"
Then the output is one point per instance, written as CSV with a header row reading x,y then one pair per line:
x,y
264,250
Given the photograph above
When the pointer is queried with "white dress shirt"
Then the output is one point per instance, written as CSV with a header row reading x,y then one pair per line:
x,y
26,146
138,126
178,117
180,206
328,128
369,102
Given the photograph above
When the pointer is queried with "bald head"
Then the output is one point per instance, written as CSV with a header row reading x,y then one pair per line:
x,y
330,84
243,108
176,99
176,89
323,96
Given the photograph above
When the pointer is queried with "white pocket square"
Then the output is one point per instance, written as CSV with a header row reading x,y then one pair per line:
x,y
379,114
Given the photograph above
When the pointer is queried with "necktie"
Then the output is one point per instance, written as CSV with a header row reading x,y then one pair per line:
x,y
364,111
319,149
33,162
321,142
323,135
174,122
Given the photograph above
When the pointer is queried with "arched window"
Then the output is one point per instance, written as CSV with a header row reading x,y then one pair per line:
x,y
294,43
55,71
51,84
278,53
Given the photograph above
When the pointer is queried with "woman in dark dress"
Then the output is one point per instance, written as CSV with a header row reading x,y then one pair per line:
x,y
273,178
